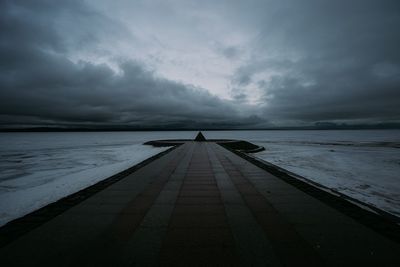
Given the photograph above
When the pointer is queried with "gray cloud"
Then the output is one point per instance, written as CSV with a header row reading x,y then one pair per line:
x,y
327,61
40,85
288,62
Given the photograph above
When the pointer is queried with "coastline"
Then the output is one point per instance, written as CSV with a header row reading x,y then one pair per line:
x,y
382,222
19,226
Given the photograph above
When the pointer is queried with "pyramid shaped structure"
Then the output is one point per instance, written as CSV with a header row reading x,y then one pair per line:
x,y
200,137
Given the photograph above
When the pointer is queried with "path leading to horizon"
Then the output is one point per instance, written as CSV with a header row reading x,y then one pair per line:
x,y
201,205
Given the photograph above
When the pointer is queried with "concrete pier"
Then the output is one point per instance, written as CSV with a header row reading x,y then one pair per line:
x,y
201,205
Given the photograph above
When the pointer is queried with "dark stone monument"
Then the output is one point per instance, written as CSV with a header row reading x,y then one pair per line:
x,y
200,137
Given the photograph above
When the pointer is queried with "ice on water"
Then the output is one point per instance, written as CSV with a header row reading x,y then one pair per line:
x,y
363,164
40,168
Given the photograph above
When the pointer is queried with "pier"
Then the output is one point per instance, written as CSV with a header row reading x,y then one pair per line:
x,y
201,205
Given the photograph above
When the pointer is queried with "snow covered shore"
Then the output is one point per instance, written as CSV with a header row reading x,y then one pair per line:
x,y
362,164
39,168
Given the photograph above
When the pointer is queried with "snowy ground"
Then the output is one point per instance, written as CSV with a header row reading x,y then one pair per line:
x,y
39,168
364,165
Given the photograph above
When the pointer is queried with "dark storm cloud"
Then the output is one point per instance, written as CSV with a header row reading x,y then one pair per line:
x,y
40,85
289,62
327,61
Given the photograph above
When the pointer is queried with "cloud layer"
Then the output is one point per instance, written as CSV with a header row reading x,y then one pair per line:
x,y
212,65
41,85
327,61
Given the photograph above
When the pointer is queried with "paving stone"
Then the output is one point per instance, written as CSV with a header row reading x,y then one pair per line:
x,y
198,200
198,237
199,209
199,221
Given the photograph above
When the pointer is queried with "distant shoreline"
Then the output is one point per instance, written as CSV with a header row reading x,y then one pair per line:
x,y
59,129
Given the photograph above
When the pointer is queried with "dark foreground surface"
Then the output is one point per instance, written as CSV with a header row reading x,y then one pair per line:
x,y
201,205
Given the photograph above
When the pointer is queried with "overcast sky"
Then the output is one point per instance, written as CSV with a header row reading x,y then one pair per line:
x,y
199,64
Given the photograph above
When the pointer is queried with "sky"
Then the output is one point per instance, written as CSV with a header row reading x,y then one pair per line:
x,y
199,64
